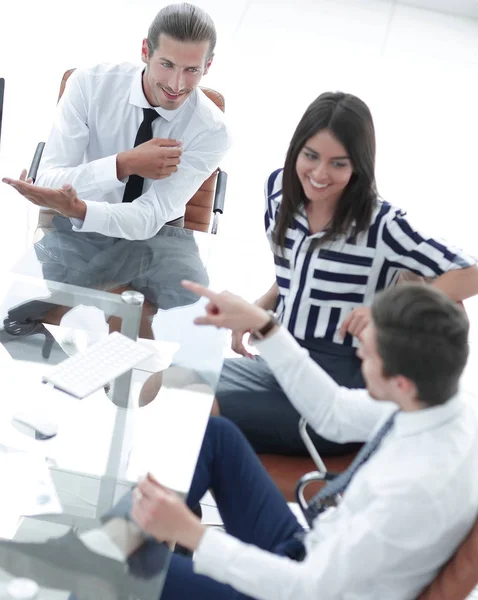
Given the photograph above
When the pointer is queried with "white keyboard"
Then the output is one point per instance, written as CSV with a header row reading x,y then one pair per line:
x,y
101,363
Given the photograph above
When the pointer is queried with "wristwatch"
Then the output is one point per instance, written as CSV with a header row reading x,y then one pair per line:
x,y
259,334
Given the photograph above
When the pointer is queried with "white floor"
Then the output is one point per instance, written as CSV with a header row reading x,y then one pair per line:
x,y
417,70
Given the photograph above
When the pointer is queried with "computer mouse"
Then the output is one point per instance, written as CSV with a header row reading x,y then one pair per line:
x,y
35,422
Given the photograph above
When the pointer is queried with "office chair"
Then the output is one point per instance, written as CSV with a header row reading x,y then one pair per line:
x,y
455,580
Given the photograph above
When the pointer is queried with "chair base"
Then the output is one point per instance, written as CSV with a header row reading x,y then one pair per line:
x,y
25,320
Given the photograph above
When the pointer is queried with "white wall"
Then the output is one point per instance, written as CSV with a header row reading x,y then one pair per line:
x,y
418,71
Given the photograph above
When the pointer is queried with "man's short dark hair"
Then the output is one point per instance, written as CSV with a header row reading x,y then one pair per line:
x,y
422,335
185,23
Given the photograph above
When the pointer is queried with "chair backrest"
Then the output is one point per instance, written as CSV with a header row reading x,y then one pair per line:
x,y
459,576
199,207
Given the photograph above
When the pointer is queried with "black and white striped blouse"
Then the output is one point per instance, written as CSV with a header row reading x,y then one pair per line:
x,y
318,289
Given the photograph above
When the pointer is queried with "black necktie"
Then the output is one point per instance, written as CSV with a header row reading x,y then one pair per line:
x,y
134,185
327,494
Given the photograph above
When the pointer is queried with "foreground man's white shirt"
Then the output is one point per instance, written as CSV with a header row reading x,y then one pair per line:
x,y
405,512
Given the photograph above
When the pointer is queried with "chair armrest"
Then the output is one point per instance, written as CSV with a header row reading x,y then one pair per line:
x,y
36,161
219,198
309,444
220,193
304,481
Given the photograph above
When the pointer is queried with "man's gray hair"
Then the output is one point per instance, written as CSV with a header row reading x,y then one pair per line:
x,y
185,23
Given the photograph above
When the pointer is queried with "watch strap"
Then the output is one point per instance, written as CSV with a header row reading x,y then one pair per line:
x,y
259,334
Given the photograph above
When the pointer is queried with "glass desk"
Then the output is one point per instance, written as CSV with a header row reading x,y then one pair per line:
x,y
151,419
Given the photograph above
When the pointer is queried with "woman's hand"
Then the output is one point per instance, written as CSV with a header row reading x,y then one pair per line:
x,y
356,321
228,310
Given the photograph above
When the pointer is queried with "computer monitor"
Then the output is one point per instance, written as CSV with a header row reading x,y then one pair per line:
x,y
2,92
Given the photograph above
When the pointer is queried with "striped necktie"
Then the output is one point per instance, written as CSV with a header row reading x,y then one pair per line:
x,y
328,494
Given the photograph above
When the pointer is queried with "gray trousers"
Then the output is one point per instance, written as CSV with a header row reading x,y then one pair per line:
x,y
249,395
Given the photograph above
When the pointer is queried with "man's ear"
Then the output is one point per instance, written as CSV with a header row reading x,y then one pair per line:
x,y
208,64
406,387
145,51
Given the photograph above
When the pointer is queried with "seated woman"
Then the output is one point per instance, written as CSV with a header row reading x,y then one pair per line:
x,y
335,245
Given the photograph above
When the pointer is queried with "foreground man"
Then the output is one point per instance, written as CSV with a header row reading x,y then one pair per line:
x,y
394,517
407,501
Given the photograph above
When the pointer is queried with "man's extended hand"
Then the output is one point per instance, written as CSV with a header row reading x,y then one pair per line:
x,y
63,200
154,159
237,343
163,515
228,310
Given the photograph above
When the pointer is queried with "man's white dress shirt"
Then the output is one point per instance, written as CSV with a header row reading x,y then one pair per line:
x,y
98,116
402,516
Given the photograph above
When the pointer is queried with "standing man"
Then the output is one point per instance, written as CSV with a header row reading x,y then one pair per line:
x,y
130,146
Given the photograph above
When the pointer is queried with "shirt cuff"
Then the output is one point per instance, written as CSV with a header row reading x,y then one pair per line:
x,y
95,219
214,554
105,174
277,348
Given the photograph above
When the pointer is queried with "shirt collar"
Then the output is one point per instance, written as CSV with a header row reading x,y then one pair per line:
x,y
415,422
137,98
301,220
302,223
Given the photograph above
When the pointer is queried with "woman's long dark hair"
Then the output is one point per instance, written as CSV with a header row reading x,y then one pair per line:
x,y
350,121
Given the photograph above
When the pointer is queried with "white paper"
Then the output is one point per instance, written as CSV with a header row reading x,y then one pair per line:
x,y
28,489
